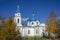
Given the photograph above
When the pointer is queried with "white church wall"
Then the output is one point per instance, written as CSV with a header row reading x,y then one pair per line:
x,y
40,31
25,31
16,19
28,23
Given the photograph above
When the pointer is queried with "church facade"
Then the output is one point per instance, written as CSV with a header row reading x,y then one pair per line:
x,y
32,28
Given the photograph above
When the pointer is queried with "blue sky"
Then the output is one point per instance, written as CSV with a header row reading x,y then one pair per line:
x,y
42,8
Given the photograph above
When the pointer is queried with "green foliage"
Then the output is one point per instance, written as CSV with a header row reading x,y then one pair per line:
x,y
8,32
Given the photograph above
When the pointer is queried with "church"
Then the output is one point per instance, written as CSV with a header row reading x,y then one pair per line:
x,y
32,28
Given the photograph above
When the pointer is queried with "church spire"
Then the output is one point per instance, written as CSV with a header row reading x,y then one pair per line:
x,y
33,15
18,9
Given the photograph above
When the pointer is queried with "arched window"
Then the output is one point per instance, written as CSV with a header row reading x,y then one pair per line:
x,y
36,31
37,22
32,23
18,20
28,31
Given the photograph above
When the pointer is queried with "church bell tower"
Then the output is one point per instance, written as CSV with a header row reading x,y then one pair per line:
x,y
17,18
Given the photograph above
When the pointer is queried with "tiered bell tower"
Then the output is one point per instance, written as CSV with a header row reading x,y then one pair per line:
x,y
17,18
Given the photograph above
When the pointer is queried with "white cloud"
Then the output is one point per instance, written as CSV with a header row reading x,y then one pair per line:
x,y
25,19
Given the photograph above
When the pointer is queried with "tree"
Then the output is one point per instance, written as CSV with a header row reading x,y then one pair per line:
x,y
58,28
2,21
9,32
51,24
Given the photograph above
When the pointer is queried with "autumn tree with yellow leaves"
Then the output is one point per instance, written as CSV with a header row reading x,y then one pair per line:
x,y
8,32
58,28
51,24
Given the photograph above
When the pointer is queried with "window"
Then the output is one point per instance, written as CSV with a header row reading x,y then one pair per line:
x,y
28,31
32,23
18,20
36,31
37,22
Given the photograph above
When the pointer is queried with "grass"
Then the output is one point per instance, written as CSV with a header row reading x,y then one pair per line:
x,y
33,38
